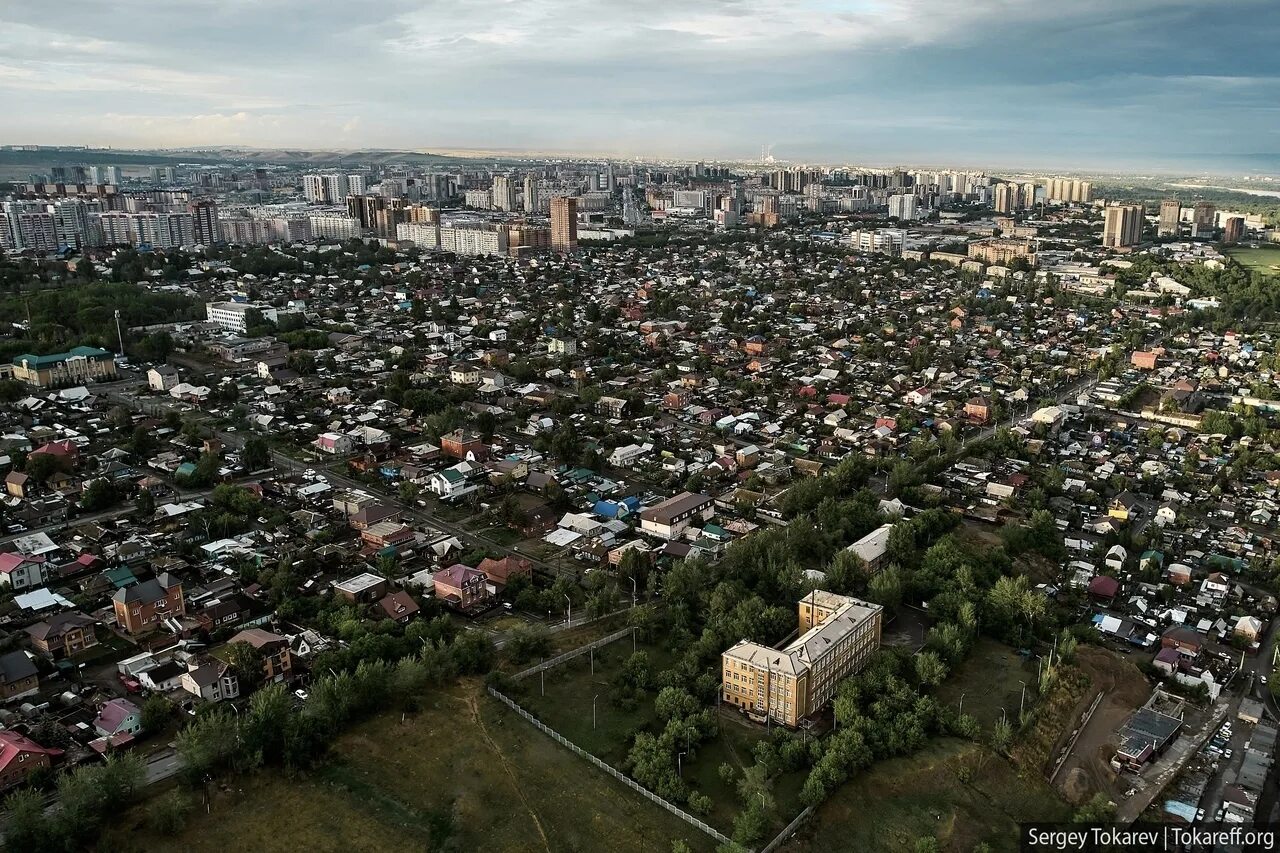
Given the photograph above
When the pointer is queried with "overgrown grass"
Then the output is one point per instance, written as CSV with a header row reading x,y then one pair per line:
x,y
464,773
990,680
956,791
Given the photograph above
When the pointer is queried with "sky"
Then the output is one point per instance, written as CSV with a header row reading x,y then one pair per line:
x,y
1037,83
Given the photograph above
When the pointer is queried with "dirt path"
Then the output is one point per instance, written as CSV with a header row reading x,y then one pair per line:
x,y
1087,770
474,707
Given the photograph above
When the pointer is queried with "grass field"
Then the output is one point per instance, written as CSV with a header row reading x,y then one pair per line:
x,y
990,680
566,706
462,774
1263,259
956,791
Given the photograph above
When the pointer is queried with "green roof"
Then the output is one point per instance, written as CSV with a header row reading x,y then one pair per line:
x,y
120,577
39,361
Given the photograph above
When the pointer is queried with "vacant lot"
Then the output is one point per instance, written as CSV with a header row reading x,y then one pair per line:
x,y
463,774
565,703
1088,769
990,680
563,698
1264,259
956,791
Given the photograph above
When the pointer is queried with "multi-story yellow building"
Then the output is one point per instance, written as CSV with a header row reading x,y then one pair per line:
x,y
838,635
1002,250
82,364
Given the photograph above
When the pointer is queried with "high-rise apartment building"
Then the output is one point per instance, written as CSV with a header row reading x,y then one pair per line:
x,y
838,636
564,223
336,188
1204,216
530,194
903,207
504,193
326,189
1233,229
1006,198
313,189
1028,191
1122,225
205,213
1170,217
356,184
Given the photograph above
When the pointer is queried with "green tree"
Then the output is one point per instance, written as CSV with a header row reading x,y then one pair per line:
x,y
246,662
1099,809
209,743
256,455
26,827
168,813
156,713
41,466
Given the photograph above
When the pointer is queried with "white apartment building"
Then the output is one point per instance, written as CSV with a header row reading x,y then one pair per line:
x,y
334,226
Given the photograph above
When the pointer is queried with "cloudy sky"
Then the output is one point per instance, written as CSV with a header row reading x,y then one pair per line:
x,y
1016,82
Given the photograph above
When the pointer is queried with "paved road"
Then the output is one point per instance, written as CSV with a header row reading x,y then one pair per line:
x,y
163,765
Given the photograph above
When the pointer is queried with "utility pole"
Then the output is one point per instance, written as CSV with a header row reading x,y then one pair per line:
x,y
593,710
119,334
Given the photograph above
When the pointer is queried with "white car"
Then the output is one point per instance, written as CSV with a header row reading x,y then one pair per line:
x,y
1262,678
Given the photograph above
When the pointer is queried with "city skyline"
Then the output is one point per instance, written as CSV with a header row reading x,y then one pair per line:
x,y
1155,84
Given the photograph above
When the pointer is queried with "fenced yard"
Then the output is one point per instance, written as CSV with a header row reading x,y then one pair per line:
x,y
576,699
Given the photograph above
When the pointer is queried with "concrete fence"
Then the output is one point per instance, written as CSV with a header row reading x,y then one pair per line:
x,y
615,773
573,653
787,831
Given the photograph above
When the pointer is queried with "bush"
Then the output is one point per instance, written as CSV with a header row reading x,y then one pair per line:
x,y
167,815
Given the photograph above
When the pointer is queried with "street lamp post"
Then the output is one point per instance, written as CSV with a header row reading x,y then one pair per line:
x,y
633,592
569,622
1022,700
680,763
593,710
960,710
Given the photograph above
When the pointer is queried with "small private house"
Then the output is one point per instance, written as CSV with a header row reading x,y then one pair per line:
x,y
63,635
20,756
334,443
23,571
116,717
18,676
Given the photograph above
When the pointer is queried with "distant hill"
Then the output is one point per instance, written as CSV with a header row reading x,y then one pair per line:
x,y
42,159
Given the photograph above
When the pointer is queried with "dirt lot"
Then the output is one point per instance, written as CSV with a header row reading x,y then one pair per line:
x,y
1087,769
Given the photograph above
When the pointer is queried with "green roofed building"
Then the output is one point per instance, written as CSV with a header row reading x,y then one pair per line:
x,y
82,364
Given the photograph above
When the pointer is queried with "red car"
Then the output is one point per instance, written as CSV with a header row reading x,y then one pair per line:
x,y
131,685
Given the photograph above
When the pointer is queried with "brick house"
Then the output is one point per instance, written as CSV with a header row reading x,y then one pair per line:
x,y
501,572
277,658
461,444
462,587
63,635
141,607
20,756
